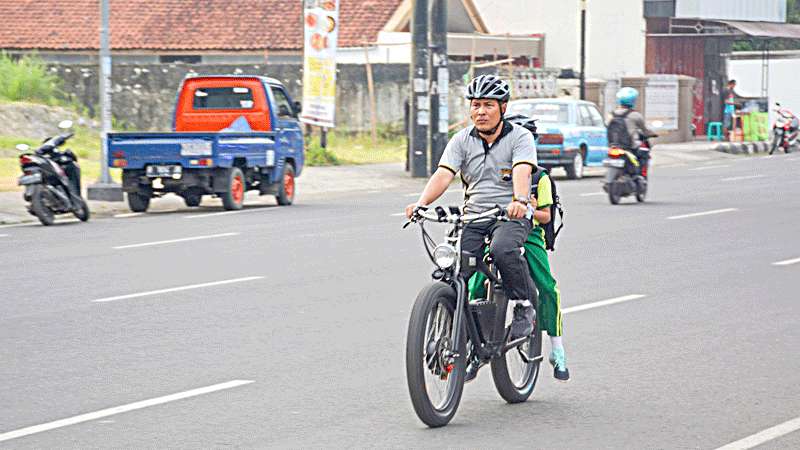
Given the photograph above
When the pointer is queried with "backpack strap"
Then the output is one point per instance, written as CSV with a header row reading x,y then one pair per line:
x,y
535,178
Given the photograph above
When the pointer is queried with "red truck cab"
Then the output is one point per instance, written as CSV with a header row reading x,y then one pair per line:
x,y
213,103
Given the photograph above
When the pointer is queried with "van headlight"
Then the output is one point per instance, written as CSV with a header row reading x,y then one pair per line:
x,y
444,255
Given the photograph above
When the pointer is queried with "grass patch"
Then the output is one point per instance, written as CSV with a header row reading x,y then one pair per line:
x,y
346,148
27,79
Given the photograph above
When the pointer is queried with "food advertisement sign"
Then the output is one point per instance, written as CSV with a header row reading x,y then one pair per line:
x,y
321,21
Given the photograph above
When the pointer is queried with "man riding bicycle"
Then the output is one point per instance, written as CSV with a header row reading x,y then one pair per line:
x,y
495,159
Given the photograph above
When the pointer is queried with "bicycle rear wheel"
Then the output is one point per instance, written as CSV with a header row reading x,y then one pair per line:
x,y
434,374
515,372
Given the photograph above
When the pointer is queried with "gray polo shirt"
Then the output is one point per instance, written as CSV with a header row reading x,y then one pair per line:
x,y
486,170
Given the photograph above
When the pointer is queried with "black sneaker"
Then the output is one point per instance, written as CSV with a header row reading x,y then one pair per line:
x,y
522,325
559,362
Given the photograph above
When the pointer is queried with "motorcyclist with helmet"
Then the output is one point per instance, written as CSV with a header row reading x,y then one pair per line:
x,y
634,123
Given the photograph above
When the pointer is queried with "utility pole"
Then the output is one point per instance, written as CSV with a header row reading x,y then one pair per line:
x,y
440,81
104,189
583,49
418,79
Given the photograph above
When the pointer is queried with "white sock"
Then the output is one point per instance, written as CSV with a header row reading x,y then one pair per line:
x,y
523,302
556,343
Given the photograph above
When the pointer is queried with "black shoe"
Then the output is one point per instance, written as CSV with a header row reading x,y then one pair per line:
x,y
559,362
472,370
523,321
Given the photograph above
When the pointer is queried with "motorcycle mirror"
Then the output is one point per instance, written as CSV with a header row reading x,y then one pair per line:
x,y
23,147
778,104
65,124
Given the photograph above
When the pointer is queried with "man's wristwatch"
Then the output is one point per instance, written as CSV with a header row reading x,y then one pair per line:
x,y
522,200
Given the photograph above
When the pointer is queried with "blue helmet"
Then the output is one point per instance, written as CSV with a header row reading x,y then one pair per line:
x,y
627,96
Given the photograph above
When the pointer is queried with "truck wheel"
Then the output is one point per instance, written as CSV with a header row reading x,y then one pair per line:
x,y
285,195
138,202
233,198
192,199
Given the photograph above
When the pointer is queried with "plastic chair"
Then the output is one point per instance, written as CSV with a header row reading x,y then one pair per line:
x,y
714,131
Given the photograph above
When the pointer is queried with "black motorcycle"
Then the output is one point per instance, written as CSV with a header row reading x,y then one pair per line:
x,y
447,331
626,172
52,179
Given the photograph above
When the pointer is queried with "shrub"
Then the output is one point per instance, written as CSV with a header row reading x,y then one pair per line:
x,y
27,79
318,156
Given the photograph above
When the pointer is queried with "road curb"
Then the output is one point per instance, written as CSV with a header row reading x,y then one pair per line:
x,y
743,148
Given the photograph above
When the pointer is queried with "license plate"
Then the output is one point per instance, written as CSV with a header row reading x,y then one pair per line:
x,y
614,163
196,148
30,179
171,171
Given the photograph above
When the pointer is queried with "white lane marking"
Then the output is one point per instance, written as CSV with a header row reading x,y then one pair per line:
x,y
3,235
592,194
126,215
172,241
373,192
175,289
415,194
767,435
787,262
704,213
611,301
398,214
669,166
120,409
710,167
224,213
746,177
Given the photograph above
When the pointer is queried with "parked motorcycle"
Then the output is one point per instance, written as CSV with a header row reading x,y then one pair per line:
x,y
785,130
626,173
52,179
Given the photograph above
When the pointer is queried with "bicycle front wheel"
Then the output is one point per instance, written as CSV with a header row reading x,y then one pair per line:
x,y
434,362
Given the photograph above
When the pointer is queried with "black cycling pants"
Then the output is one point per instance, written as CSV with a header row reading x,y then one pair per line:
x,y
507,240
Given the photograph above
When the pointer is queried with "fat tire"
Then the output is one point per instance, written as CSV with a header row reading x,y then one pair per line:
x,y
427,299
283,198
138,202
83,213
502,381
228,200
39,209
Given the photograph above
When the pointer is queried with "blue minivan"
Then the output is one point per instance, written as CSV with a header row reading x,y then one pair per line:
x,y
572,133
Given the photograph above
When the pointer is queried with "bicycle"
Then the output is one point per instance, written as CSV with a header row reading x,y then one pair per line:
x,y
446,330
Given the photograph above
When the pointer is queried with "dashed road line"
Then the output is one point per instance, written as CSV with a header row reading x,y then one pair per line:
x,y
710,167
591,194
225,213
754,440
172,241
126,215
611,301
120,409
746,177
175,289
704,213
787,262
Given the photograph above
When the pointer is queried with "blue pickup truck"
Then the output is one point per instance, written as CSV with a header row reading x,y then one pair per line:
x,y
572,133
231,134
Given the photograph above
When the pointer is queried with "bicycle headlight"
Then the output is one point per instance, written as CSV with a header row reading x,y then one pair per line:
x,y
444,255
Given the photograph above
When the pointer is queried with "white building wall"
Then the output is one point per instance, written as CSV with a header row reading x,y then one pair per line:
x,y
615,39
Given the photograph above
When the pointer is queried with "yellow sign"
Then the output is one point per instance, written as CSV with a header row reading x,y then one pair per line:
x,y
321,19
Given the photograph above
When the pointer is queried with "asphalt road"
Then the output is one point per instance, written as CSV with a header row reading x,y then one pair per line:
x,y
285,327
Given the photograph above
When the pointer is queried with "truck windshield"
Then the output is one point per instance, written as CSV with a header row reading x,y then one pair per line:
x,y
223,98
545,112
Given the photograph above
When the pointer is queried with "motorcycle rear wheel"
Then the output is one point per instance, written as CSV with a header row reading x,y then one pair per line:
x,y
641,190
613,193
430,334
82,210
39,208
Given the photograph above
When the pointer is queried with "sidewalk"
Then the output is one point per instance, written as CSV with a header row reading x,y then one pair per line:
x,y
312,182
735,148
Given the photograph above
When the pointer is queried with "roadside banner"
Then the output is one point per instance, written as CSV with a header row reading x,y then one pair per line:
x,y
321,22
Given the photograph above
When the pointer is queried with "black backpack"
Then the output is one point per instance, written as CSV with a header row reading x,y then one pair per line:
x,y
618,134
550,230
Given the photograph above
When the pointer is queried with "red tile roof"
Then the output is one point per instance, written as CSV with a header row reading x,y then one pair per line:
x,y
180,24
